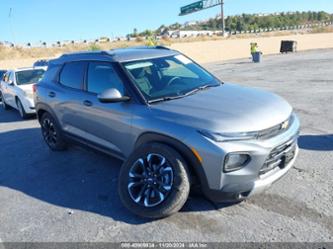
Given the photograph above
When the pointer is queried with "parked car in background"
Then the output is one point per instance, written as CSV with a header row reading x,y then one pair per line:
x,y
2,72
173,123
16,89
41,63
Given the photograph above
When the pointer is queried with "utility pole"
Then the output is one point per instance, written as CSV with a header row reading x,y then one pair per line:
x,y
222,17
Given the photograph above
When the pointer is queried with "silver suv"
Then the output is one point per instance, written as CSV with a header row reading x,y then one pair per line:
x,y
173,124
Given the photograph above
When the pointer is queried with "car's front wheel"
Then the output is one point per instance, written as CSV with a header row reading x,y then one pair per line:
x,y
154,182
52,133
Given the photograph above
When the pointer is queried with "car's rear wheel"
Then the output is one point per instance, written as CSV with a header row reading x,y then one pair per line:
x,y
154,182
52,133
21,110
4,105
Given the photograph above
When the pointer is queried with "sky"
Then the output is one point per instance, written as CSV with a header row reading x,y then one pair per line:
x,y
59,20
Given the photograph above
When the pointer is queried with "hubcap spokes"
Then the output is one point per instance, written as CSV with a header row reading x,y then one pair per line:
x,y
150,180
49,132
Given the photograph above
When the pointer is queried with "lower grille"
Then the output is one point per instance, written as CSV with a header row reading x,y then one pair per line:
x,y
280,157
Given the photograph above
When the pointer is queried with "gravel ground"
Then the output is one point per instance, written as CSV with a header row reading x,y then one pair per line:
x,y
72,196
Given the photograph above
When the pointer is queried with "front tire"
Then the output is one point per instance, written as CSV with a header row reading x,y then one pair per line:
x,y
154,182
52,133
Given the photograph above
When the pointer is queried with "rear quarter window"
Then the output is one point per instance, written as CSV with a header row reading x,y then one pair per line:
x,y
72,75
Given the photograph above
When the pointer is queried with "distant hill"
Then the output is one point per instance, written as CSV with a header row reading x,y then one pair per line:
x,y
247,22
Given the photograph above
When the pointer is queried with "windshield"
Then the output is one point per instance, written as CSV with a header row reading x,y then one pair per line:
x,y
173,76
29,76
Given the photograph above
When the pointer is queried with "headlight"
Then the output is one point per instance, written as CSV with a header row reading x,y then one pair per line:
x,y
224,137
235,162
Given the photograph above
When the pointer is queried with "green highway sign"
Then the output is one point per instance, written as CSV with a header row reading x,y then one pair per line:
x,y
188,9
202,5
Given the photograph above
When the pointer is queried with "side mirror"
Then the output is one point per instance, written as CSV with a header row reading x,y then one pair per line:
x,y
11,83
112,95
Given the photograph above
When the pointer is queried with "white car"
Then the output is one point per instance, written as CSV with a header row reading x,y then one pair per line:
x,y
16,89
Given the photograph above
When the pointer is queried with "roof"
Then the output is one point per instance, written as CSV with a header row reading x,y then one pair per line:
x,y
119,55
27,68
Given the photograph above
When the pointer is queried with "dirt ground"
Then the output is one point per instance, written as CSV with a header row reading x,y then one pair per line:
x,y
223,50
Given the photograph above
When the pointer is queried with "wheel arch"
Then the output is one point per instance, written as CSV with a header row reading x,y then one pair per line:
x,y
17,98
42,108
193,163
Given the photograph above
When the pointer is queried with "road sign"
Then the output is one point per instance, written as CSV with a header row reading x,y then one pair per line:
x,y
188,9
202,5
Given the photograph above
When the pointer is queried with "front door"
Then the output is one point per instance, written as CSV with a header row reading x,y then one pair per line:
x,y
106,124
10,90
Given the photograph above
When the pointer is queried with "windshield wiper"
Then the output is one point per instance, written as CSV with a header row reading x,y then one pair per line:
x,y
166,98
200,88
195,90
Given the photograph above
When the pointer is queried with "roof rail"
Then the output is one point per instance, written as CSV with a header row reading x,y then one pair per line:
x,y
102,52
150,47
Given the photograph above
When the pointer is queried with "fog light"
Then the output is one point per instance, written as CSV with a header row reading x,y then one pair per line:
x,y
235,162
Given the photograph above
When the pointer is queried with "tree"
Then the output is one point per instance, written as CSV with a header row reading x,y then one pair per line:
x,y
247,22
135,32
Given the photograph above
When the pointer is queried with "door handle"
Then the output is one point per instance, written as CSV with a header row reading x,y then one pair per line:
x,y
52,94
87,103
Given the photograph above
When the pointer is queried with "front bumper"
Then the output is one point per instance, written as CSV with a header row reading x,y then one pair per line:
x,y
262,184
243,190
249,180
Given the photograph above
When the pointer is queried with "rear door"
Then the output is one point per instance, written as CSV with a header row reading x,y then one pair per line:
x,y
66,97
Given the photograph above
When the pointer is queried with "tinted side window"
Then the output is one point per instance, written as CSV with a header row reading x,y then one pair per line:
x,y
102,76
10,77
72,75
2,73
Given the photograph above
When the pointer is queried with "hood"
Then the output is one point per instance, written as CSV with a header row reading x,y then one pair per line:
x,y
227,108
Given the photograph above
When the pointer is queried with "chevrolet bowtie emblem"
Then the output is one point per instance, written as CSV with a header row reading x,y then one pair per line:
x,y
285,125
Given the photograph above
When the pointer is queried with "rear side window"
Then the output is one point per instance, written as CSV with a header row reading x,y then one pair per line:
x,y
72,75
102,76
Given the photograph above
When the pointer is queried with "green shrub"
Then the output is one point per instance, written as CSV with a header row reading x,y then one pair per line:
x,y
94,47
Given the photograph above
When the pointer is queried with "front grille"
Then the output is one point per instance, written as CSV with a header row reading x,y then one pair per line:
x,y
280,157
276,130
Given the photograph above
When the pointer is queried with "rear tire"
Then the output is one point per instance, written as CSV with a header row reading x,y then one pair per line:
x,y
154,182
21,110
4,105
52,134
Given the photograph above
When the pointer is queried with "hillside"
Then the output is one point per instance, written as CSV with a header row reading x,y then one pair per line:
x,y
246,22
